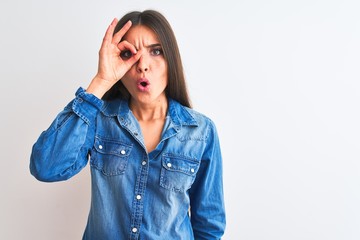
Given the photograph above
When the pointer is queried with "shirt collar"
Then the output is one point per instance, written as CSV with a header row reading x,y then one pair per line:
x,y
179,114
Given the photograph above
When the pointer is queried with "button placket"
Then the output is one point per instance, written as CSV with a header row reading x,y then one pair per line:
x,y
143,163
138,199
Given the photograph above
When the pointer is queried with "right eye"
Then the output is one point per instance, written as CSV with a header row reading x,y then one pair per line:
x,y
126,54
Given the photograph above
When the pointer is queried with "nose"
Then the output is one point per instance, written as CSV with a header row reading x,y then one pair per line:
x,y
143,64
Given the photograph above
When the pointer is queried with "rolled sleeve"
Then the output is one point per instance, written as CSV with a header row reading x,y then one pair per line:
x,y
86,105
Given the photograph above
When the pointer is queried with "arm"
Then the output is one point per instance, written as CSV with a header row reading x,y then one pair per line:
x,y
206,194
61,151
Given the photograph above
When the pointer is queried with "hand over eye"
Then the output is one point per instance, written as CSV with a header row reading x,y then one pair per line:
x,y
116,57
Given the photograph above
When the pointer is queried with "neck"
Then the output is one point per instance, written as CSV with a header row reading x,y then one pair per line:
x,y
150,111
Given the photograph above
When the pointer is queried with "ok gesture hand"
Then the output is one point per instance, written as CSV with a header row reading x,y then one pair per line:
x,y
111,66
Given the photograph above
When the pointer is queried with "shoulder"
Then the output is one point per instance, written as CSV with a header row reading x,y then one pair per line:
x,y
199,117
187,116
192,121
114,107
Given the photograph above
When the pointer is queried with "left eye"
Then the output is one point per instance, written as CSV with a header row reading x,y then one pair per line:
x,y
157,52
125,54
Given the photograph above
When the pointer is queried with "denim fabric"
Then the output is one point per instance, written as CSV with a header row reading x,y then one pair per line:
x,y
173,192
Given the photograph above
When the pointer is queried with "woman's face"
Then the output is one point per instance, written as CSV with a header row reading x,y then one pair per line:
x,y
147,79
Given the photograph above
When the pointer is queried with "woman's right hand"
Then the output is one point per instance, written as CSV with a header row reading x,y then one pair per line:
x,y
111,66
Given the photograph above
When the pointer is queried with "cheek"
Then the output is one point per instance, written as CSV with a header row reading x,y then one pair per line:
x,y
163,66
128,75
126,80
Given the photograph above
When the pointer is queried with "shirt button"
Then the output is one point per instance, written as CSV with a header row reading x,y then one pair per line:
x,y
135,133
123,152
134,230
192,170
138,197
100,147
169,165
143,163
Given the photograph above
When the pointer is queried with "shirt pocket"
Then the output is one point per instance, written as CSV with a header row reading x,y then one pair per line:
x,y
178,172
110,156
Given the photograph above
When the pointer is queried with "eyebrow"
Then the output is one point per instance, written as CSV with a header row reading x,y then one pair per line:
x,y
150,46
153,45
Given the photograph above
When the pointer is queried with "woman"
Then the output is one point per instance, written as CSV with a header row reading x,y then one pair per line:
x,y
155,163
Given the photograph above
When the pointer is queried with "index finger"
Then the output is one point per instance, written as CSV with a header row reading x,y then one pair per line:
x,y
110,31
117,37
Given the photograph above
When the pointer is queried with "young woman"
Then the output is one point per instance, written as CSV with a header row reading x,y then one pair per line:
x,y
156,164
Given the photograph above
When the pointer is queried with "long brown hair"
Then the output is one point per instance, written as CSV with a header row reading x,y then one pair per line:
x,y
176,88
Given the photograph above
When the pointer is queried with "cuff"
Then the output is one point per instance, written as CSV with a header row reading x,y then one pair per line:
x,y
86,105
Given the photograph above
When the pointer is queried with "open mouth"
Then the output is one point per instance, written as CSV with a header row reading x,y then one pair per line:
x,y
143,84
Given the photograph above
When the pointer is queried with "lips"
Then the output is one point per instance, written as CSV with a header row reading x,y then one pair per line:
x,y
143,84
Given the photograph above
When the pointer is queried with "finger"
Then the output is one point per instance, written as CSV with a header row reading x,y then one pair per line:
x,y
117,37
134,58
109,32
125,45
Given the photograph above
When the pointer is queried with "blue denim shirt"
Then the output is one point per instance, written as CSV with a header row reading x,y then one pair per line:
x,y
173,192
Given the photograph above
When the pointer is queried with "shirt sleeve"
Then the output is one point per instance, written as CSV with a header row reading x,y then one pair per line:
x,y
206,194
61,151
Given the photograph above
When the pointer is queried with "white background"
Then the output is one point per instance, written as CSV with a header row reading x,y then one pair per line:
x,y
279,78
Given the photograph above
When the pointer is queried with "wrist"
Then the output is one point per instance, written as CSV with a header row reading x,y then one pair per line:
x,y
98,87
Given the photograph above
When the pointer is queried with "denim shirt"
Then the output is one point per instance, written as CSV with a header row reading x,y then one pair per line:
x,y
173,192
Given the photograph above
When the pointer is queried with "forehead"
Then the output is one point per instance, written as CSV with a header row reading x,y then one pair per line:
x,y
141,34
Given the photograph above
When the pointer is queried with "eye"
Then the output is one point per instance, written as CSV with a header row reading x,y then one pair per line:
x,y
126,54
157,51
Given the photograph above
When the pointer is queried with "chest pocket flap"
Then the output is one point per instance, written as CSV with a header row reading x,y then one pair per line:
x,y
179,164
106,146
178,172
111,156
